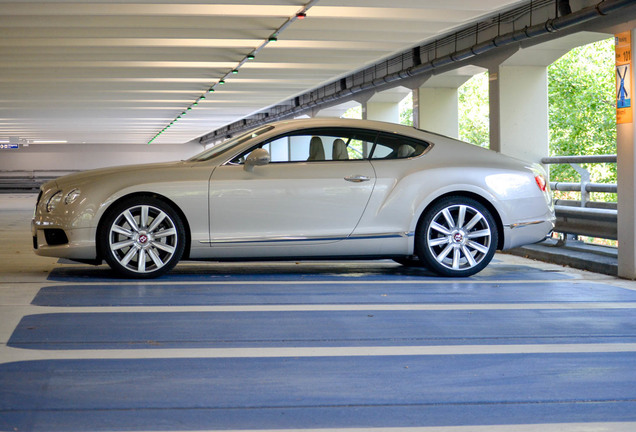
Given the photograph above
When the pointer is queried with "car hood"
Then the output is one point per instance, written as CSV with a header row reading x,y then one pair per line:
x,y
102,174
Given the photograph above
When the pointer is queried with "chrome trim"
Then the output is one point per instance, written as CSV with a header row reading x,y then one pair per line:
x,y
308,238
524,224
357,178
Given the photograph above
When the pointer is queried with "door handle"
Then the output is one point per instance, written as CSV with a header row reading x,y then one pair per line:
x,y
357,178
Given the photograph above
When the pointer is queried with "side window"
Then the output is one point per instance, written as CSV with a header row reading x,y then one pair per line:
x,y
279,150
391,146
317,145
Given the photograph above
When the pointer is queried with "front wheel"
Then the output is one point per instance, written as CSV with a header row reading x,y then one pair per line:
x,y
457,237
142,238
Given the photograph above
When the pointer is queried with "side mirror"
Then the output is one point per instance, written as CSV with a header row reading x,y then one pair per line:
x,y
257,158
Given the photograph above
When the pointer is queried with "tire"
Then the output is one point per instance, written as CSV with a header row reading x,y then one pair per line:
x,y
141,237
457,237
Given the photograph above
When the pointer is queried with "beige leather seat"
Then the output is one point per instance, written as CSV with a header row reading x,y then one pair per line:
x,y
339,150
316,150
405,151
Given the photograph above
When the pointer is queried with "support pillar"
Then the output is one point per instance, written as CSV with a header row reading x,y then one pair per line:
x,y
436,110
519,111
626,167
381,111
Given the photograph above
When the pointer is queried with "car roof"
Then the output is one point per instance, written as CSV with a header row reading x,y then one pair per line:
x,y
353,123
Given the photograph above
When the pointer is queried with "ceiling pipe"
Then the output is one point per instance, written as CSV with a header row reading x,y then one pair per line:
x,y
559,23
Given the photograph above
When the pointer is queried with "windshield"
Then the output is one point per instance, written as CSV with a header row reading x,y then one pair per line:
x,y
229,144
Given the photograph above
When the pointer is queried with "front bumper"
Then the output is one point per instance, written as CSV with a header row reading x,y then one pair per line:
x,y
54,241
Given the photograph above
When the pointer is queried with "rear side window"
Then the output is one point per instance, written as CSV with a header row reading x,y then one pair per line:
x,y
391,146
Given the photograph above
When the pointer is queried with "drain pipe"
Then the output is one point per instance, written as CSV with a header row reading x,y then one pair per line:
x,y
562,22
603,8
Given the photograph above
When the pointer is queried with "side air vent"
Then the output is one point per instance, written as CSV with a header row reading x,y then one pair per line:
x,y
55,237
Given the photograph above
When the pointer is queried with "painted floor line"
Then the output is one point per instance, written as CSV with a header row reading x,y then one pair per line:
x,y
551,427
350,281
35,310
10,355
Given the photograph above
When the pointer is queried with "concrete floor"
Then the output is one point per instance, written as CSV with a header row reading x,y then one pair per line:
x,y
522,346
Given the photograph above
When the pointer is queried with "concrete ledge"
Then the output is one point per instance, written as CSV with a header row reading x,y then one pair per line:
x,y
575,254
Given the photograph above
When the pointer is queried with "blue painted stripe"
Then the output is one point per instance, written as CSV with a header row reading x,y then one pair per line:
x,y
292,271
320,328
273,393
336,417
152,294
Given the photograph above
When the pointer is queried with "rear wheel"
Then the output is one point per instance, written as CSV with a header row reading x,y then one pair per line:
x,y
142,237
457,237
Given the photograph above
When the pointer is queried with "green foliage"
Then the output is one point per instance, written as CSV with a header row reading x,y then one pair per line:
x,y
474,115
581,87
353,112
406,110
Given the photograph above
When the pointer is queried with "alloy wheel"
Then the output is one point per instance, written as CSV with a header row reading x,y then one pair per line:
x,y
459,237
143,239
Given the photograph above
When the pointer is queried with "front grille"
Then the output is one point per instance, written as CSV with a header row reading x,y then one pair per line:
x,y
35,242
55,237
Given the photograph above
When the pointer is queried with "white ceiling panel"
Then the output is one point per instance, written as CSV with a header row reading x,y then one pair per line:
x,y
112,71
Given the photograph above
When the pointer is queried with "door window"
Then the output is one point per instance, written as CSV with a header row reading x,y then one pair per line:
x,y
317,145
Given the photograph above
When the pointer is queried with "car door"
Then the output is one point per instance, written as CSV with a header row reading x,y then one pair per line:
x,y
311,193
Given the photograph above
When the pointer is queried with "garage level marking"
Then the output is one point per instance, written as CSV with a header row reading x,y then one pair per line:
x,y
321,392
146,294
149,330
36,310
13,355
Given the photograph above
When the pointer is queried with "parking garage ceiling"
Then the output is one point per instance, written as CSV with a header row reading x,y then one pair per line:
x,y
113,72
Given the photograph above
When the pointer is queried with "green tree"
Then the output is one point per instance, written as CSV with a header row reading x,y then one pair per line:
x,y
474,114
406,110
581,87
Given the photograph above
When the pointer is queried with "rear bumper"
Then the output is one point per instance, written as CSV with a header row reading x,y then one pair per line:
x,y
524,233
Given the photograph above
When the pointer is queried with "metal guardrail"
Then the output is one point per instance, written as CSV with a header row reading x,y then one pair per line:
x,y
27,181
585,217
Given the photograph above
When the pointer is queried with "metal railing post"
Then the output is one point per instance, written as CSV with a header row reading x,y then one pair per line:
x,y
585,217
585,180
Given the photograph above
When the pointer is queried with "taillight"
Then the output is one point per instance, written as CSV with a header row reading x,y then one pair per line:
x,y
543,185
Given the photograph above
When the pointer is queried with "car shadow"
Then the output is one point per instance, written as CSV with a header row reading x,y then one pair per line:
x,y
300,271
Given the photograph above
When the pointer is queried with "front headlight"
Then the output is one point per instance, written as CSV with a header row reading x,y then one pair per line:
x,y
72,196
53,201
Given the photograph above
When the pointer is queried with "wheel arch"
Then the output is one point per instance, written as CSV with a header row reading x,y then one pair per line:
x,y
479,198
167,201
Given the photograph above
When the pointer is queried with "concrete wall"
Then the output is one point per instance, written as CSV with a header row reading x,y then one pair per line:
x,y
88,156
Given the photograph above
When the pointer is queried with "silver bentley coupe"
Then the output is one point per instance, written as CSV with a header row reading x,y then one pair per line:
x,y
301,189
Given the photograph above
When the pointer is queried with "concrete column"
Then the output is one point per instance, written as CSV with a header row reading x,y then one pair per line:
x,y
436,110
519,111
381,111
626,166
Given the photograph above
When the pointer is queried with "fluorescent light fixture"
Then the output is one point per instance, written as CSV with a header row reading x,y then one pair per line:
x,y
50,141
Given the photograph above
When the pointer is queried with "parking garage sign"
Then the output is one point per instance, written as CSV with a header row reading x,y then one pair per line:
x,y
623,78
